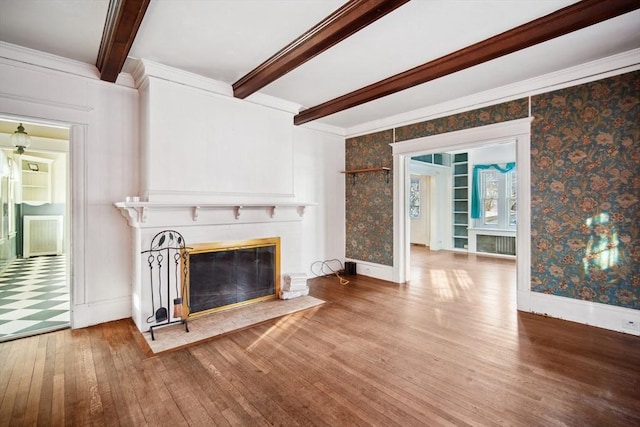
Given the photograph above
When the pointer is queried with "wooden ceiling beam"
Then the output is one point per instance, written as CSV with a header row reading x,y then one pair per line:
x,y
123,20
345,21
556,24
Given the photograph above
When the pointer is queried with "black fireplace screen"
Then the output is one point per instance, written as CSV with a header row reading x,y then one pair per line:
x,y
222,278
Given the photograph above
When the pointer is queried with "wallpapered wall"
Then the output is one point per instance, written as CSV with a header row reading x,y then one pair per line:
x,y
369,203
585,191
369,200
585,188
513,110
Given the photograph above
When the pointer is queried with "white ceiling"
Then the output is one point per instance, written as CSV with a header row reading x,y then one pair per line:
x,y
225,39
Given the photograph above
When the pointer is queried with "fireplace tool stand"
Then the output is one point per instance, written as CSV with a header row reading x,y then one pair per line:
x,y
169,255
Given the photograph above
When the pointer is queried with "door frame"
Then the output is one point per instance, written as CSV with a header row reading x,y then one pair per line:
x,y
515,130
75,209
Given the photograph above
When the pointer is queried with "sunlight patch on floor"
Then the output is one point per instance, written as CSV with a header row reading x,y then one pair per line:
x,y
450,285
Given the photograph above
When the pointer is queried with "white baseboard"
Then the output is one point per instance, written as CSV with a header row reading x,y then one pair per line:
x,y
93,313
589,313
370,269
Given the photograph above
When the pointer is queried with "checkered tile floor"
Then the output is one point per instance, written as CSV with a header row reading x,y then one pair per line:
x,y
34,297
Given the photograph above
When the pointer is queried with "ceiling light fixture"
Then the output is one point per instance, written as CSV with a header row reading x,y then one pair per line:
x,y
20,139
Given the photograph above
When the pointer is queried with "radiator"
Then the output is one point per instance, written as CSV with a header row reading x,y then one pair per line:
x,y
42,235
504,245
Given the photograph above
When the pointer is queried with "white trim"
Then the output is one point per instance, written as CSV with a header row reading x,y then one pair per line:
x,y
584,73
371,269
451,141
32,57
587,312
273,102
322,127
46,60
101,311
78,208
145,68
518,130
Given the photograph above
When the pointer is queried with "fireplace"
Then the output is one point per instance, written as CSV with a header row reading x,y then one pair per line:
x,y
231,274
238,225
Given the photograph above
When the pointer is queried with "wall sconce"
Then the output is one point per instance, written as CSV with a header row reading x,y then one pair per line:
x,y
20,139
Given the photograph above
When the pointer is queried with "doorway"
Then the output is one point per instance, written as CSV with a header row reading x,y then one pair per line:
x,y
34,242
516,130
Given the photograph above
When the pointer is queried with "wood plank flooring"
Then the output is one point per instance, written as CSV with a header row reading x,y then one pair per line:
x,y
449,348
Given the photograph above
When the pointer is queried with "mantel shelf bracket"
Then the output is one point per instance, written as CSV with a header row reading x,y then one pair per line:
x,y
236,211
301,210
196,211
273,211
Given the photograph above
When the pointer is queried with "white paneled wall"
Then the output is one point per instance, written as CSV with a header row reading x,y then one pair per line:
x,y
233,149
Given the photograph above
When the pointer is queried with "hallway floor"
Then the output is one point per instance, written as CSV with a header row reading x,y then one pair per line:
x,y
34,297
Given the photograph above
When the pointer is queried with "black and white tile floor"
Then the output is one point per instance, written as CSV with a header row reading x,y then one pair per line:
x,y
34,297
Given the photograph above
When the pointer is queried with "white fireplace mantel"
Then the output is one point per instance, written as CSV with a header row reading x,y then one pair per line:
x,y
148,214
204,223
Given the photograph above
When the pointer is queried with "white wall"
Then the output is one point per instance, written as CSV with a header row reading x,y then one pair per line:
x,y
103,157
317,161
205,146
240,149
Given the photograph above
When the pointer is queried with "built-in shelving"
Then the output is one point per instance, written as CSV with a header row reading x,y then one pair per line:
x,y
36,180
460,169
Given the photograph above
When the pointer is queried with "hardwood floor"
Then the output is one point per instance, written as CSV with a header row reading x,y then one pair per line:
x,y
449,348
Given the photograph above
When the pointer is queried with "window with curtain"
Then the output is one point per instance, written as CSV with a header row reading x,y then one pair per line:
x,y
493,198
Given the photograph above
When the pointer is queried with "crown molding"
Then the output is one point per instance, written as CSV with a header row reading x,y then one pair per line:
x,y
146,68
47,60
584,73
36,58
325,128
273,102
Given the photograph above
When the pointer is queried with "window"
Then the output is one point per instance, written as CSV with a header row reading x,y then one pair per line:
x,y
414,198
497,191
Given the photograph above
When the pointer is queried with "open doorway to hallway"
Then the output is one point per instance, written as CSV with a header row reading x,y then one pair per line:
x,y
34,236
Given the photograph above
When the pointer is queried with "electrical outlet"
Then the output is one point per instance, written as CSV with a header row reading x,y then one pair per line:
x,y
631,324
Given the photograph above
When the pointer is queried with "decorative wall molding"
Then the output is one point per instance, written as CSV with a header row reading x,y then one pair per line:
x,y
463,138
273,102
101,311
587,312
146,68
322,127
36,58
370,269
584,73
58,104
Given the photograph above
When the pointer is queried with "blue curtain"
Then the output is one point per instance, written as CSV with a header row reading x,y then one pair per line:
x,y
475,189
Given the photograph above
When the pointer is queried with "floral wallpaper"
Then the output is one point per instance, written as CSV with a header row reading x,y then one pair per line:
x,y
585,191
369,202
369,199
512,110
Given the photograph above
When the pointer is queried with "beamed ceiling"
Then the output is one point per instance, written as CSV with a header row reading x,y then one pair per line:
x,y
345,63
